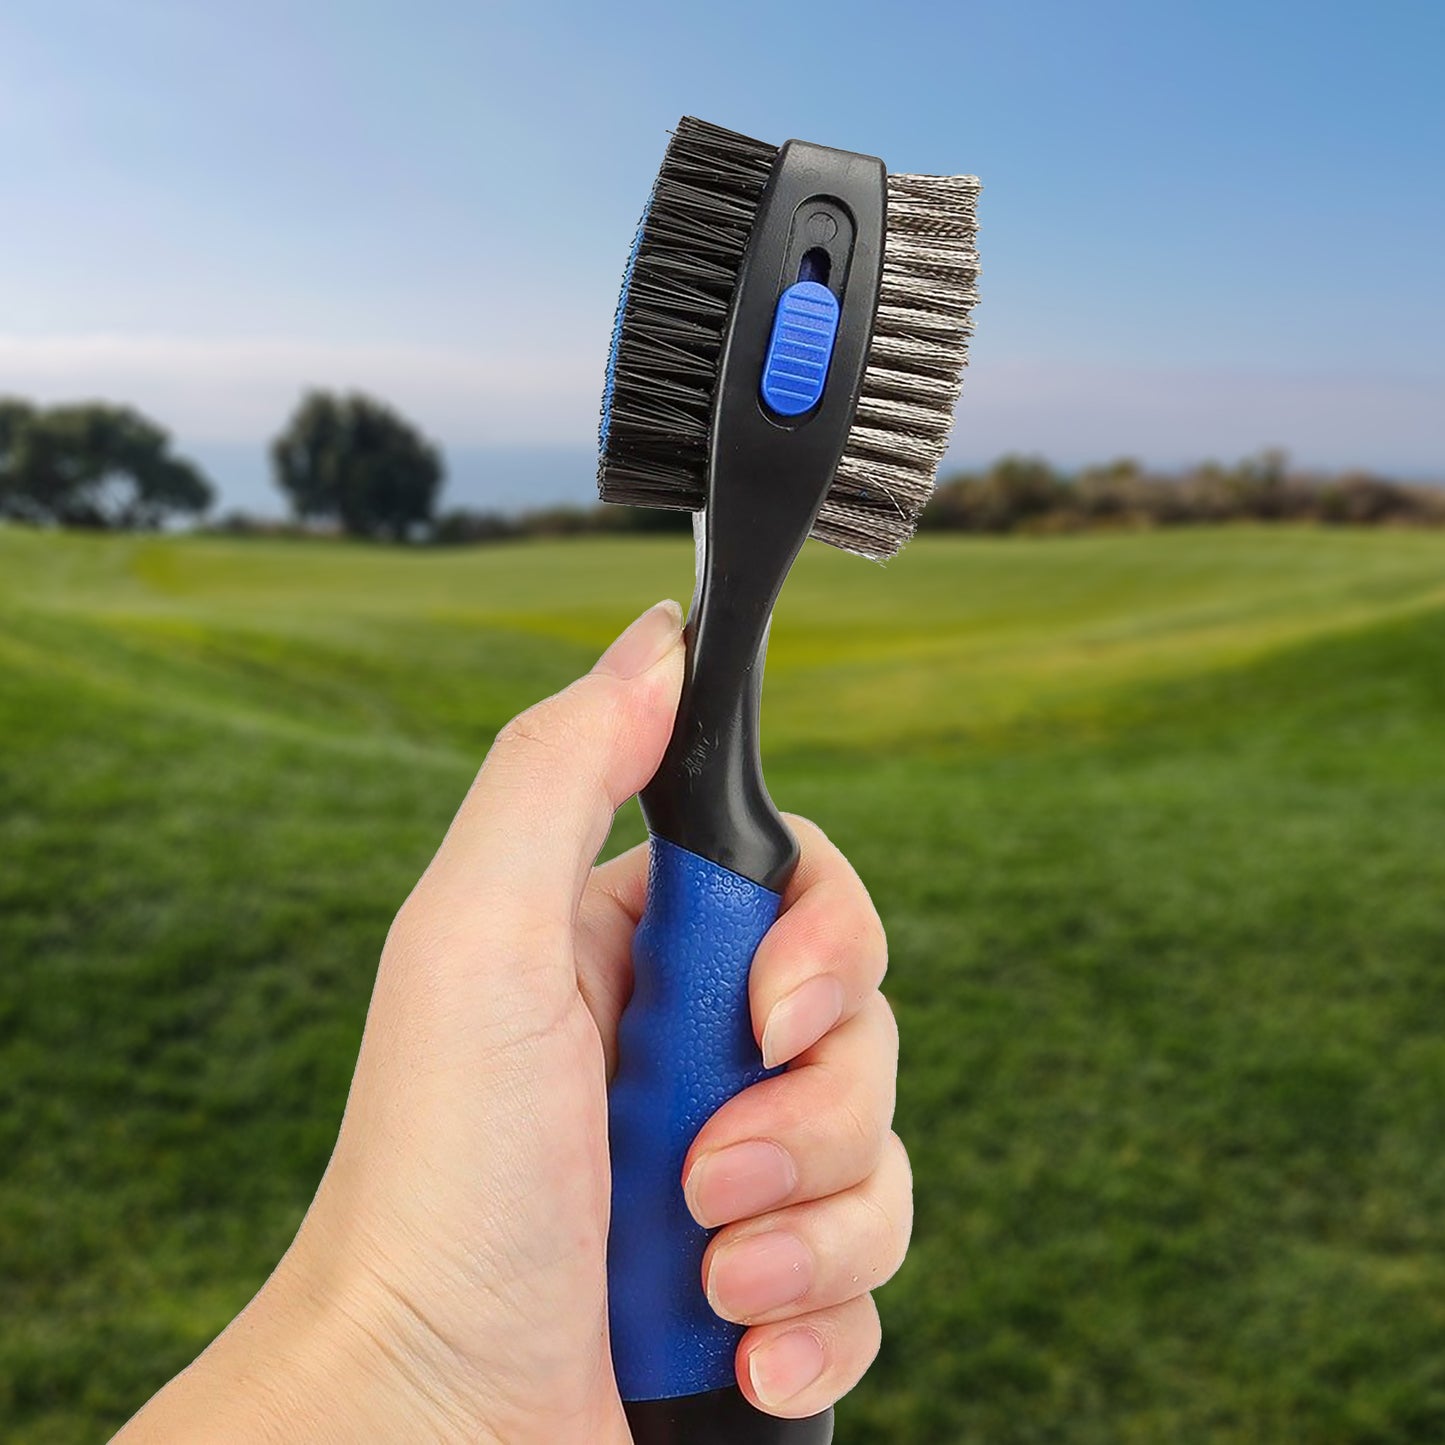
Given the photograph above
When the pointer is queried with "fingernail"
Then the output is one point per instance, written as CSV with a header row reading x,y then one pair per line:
x,y
739,1181
799,1019
785,1366
753,1276
645,642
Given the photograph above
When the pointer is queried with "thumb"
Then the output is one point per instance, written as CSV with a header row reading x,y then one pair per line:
x,y
524,840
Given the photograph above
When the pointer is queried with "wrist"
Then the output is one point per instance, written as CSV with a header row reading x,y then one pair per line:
x,y
364,1358
321,1354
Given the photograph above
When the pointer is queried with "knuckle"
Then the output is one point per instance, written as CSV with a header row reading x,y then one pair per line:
x,y
870,1332
856,934
875,943
806,829
891,1248
882,1016
896,1160
416,928
881,1025
568,731
879,1229
536,728
856,1335
885,1227
858,1124
855,1114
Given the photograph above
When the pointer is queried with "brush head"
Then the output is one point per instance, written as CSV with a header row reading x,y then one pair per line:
x,y
673,316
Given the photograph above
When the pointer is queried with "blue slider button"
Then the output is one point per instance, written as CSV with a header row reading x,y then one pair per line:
x,y
796,366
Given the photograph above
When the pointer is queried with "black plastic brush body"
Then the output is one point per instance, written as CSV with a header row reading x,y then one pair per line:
x,y
748,381
822,213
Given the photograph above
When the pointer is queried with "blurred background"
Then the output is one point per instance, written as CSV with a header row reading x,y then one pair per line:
x,y
303,311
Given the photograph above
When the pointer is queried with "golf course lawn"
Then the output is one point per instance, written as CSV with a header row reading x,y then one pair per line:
x,y
1156,823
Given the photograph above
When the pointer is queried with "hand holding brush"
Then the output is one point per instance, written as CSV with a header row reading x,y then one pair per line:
x,y
449,1280
788,350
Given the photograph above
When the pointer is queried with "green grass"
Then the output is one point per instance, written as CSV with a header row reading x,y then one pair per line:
x,y
1154,821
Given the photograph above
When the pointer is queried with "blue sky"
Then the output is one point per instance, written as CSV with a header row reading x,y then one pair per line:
x,y
1206,227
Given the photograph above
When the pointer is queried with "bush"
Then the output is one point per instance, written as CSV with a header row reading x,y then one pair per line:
x,y
1026,494
460,527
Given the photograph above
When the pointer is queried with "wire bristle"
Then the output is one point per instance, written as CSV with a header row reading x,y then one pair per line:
x,y
672,315
915,367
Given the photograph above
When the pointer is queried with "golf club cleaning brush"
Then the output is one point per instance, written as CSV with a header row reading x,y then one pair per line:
x,y
787,355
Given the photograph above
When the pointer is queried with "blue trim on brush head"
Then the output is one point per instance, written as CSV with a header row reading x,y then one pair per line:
x,y
685,1047
612,351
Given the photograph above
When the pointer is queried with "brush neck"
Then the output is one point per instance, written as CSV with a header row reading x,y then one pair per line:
x,y
767,478
708,794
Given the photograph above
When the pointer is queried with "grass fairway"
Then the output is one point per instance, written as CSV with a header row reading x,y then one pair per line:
x,y
1155,823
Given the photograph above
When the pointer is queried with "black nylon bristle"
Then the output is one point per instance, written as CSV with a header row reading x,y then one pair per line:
x,y
673,313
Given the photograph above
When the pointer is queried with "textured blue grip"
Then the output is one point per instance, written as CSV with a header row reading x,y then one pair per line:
x,y
685,1047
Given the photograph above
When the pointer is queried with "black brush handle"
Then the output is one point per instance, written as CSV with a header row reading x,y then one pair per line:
x,y
721,1417
721,853
767,478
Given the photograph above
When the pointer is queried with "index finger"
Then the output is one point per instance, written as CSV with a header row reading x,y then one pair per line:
x,y
823,958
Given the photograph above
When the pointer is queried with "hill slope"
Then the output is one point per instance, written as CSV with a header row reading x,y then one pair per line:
x,y
1154,823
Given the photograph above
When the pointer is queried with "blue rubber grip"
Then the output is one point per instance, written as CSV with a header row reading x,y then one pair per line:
x,y
685,1047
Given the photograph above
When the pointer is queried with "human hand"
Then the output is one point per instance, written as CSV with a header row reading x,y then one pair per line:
x,y
449,1280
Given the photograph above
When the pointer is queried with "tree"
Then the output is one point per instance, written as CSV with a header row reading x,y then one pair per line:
x,y
1017,489
93,465
354,460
